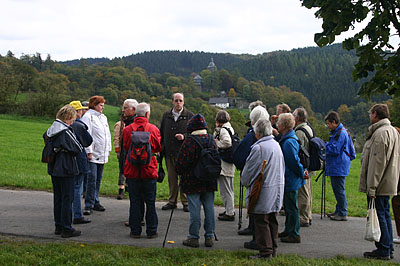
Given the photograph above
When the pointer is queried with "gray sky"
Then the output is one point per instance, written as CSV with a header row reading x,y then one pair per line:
x,y
72,29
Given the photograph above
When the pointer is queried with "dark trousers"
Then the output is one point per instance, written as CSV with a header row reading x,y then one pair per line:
x,y
139,190
266,231
385,244
292,222
396,212
63,196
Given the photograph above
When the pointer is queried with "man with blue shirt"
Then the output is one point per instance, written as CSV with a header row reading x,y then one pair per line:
x,y
339,152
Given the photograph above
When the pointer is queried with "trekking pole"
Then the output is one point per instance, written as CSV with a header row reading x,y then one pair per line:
x,y
324,184
240,205
323,189
172,212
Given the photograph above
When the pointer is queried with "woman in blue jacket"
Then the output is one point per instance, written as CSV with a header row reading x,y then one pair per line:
x,y
294,178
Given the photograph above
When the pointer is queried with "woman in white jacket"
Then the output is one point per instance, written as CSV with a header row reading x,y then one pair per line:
x,y
97,153
225,180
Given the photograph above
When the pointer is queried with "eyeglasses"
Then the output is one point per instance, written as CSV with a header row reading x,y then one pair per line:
x,y
178,100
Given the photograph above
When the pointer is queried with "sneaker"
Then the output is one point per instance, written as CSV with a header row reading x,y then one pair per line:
x,y
226,217
87,211
306,224
99,208
396,240
209,242
375,255
58,230
245,232
152,235
185,208
168,206
134,236
338,218
81,220
283,234
221,213
70,233
251,245
291,239
331,214
191,242
258,256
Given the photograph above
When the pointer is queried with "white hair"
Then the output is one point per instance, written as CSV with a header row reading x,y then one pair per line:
x,y
263,127
131,102
258,113
142,109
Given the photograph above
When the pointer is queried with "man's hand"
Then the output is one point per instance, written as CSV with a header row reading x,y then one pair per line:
x,y
179,136
90,156
275,132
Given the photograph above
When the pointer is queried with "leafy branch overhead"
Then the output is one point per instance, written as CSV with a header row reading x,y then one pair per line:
x,y
377,44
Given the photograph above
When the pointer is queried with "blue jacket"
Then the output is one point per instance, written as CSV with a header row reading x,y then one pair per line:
x,y
243,150
294,171
338,151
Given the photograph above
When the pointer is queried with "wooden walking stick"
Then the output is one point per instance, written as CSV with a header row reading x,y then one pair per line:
x,y
255,191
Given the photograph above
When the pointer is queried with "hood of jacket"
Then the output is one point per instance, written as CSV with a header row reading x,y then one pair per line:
x,y
56,128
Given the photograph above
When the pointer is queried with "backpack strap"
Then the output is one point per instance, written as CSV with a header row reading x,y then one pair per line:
x,y
229,131
197,141
337,138
302,129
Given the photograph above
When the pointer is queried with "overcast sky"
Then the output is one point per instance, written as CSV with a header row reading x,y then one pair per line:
x,y
73,29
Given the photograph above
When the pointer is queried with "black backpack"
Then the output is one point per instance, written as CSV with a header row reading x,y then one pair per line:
x,y
139,152
49,153
227,154
208,168
317,151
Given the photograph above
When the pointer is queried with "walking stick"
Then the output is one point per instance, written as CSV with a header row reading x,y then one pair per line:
x,y
172,212
323,191
241,188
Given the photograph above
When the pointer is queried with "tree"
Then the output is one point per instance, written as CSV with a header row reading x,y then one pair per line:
x,y
378,59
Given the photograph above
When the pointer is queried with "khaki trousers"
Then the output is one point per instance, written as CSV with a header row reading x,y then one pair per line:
x,y
173,182
305,201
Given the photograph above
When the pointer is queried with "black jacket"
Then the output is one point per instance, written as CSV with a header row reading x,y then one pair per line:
x,y
169,128
85,139
67,146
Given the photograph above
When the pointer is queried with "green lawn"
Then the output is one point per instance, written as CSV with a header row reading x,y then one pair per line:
x,y
21,146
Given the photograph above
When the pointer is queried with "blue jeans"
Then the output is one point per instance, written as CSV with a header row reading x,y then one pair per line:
x,y
340,194
78,186
139,190
385,244
195,201
93,185
63,195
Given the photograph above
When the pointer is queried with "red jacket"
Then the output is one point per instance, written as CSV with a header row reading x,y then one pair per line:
x,y
149,171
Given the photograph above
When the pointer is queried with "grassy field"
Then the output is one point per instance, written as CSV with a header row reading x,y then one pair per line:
x,y
15,251
21,146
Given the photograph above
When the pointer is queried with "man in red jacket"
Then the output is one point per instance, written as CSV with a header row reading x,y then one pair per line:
x,y
142,177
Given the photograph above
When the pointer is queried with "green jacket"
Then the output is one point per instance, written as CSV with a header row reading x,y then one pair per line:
x,y
380,160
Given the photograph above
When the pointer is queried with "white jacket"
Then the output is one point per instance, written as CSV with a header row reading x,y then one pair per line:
x,y
98,127
223,142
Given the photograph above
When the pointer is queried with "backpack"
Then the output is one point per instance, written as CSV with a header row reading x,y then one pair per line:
x,y
208,168
49,153
304,156
139,152
317,151
349,149
227,154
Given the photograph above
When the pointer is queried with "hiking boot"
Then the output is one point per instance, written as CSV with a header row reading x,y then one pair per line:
x,y
221,213
245,232
185,208
338,218
283,234
258,256
291,239
191,242
87,211
154,235
331,214
209,242
81,220
251,245
58,230
396,240
305,224
375,255
226,217
168,206
134,236
120,194
70,233
99,208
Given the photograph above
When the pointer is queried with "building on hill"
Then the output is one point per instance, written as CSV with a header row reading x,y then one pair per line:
x,y
211,66
219,102
198,81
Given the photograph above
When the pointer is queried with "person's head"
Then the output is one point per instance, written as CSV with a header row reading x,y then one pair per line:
x,y
85,104
143,110
197,122
253,105
222,117
285,122
129,108
378,112
67,114
78,108
258,113
300,115
282,109
178,101
332,120
97,103
262,128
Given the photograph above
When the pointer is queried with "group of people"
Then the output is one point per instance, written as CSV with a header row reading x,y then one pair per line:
x,y
267,158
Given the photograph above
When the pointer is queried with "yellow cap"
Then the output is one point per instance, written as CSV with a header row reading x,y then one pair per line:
x,y
77,105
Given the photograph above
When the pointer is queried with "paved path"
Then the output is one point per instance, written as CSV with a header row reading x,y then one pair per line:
x,y
30,214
